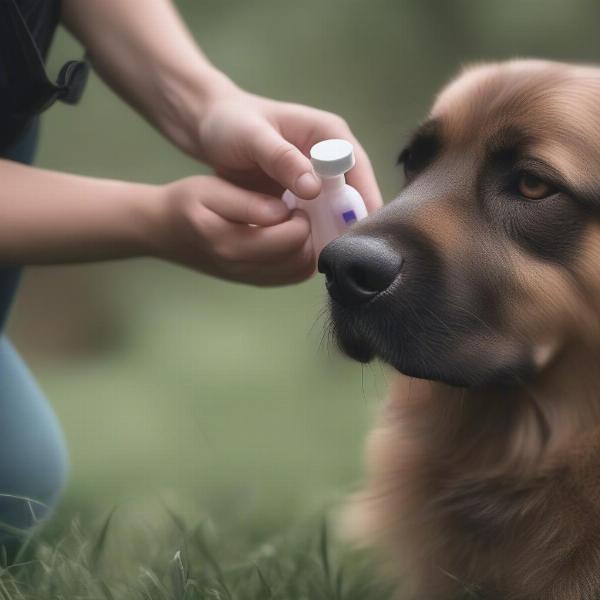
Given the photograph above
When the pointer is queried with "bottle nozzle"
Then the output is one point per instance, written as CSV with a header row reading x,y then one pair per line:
x,y
331,158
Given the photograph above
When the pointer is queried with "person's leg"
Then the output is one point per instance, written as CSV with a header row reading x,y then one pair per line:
x,y
33,456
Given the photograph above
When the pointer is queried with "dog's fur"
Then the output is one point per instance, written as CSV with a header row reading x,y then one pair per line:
x,y
485,469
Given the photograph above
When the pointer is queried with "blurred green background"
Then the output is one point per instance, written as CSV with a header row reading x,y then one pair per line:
x,y
171,384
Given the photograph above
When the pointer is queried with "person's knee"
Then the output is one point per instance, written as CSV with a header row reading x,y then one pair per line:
x,y
31,489
27,501
33,454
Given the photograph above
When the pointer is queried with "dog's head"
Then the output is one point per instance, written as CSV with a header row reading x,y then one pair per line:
x,y
488,262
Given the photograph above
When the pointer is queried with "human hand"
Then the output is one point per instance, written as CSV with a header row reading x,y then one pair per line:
x,y
213,226
262,144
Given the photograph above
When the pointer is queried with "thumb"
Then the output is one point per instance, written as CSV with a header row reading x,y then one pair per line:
x,y
284,163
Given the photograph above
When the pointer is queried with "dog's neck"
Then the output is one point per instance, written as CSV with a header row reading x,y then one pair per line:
x,y
567,394
520,426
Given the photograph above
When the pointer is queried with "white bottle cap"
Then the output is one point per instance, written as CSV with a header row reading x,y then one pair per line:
x,y
332,157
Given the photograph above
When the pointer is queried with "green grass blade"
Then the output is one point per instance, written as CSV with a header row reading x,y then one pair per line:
x,y
98,548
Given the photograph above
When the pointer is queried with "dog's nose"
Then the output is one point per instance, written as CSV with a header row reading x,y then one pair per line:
x,y
358,268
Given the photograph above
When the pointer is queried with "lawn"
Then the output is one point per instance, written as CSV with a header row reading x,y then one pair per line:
x,y
175,561
211,421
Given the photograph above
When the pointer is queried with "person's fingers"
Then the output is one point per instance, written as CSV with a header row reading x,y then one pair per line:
x,y
256,244
253,179
238,205
285,163
307,127
293,268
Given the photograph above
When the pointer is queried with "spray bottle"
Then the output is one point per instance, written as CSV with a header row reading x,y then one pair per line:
x,y
339,205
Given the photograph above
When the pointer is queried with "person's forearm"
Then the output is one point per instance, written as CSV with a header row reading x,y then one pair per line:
x,y
143,50
49,217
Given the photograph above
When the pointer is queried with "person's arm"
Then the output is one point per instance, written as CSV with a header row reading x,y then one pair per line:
x,y
143,50
203,223
50,217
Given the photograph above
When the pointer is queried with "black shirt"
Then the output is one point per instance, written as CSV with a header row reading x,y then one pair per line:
x,y
42,18
26,31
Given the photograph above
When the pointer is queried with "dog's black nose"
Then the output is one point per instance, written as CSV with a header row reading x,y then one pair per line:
x,y
358,268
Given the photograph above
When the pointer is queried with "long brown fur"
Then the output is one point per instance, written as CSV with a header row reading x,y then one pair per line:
x,y
499,489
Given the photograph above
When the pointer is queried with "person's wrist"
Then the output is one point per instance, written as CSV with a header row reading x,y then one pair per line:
x,y
187,99
168,221
215,86
147,215
217,111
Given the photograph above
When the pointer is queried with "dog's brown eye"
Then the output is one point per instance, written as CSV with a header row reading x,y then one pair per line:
x,y
418,155
410,164
533,187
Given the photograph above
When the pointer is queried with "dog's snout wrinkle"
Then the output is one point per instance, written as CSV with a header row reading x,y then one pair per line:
x,y
358,268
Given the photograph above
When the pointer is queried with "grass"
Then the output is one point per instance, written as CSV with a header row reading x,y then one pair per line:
x,y
157,555
175,561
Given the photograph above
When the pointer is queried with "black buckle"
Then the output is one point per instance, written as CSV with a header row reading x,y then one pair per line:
x,y
72,80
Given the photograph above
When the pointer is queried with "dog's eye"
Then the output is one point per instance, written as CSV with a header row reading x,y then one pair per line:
x,y
533,187
417,156
409,162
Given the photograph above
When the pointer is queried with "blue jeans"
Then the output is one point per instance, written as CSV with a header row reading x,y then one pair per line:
x,y
33,455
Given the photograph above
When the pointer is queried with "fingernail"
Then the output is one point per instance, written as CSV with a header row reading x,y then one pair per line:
x,y
307,185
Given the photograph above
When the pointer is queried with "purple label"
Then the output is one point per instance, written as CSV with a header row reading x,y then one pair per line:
x,y
349,216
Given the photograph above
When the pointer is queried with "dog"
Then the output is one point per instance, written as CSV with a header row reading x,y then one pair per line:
x,y
480,285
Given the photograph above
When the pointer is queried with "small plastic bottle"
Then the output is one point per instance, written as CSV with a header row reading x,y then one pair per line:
x,y
338,205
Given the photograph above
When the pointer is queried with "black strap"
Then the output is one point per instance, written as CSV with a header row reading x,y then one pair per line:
x,y
25,88
72,79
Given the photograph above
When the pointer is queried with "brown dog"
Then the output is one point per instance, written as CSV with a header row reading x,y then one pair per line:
x,y
481,284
